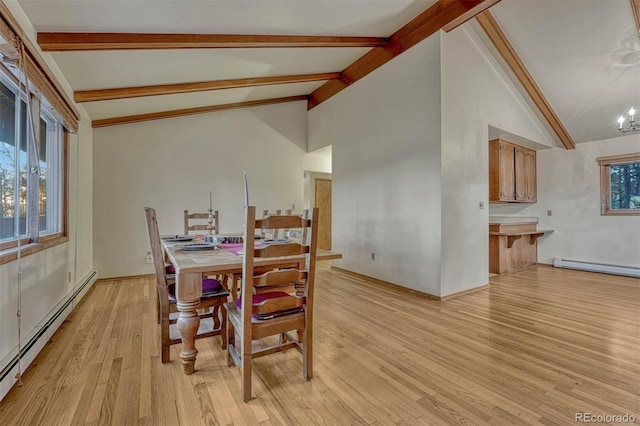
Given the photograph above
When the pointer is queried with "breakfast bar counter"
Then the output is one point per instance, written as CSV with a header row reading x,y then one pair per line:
x,y
513,244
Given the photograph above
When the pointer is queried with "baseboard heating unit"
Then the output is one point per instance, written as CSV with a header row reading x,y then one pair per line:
x,y
44,332
629,271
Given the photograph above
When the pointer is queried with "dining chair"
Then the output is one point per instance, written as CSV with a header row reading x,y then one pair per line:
x,y
232,281
201,222
275,233
213,296
276,297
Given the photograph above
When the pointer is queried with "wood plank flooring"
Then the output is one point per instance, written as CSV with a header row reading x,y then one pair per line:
x,y
535,348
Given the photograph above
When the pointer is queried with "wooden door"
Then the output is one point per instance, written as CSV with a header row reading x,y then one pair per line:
x,y
507,172
323,203
521,182
530,176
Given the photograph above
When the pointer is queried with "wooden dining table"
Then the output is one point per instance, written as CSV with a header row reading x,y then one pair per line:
x,y
191,266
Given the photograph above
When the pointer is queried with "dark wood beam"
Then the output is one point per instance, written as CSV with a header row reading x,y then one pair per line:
x,y
510,56
470,14
442,13
172,89
64,42
635,8
128,119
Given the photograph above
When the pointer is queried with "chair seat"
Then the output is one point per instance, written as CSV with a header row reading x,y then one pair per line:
x,y
210,288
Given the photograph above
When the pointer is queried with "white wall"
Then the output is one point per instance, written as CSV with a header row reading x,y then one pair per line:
x,y
50,276
396,174
171,164
476,93
569,186
385,137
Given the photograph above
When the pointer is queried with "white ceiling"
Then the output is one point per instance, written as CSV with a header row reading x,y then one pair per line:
x,y
300,17
584,54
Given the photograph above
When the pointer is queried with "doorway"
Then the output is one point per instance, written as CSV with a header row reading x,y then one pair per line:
x,y
322,200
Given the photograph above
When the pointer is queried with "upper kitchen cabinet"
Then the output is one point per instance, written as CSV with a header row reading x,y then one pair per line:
x,y
512,173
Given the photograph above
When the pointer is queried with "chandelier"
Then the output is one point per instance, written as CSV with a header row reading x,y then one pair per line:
x,y
631,127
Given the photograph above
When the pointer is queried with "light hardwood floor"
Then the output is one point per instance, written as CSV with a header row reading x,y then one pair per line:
x,y
535,348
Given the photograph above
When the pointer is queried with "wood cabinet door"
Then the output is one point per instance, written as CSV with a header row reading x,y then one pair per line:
x,y
521,182
507,172
530,176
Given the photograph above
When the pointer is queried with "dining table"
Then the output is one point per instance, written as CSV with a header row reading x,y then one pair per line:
x,y
191,266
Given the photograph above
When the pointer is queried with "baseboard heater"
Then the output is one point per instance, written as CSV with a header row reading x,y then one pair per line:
x,y
33,346
629,271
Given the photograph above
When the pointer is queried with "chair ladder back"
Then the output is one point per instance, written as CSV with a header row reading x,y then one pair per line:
x,y
305,230
275,233
246,309
156,248
283,222
277,277
277,250
311,261
200,226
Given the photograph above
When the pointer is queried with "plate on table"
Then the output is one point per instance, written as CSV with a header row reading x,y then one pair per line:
x,y
280,241
197,246
177,239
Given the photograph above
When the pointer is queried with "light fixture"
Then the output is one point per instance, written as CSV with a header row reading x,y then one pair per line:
x,y
633,126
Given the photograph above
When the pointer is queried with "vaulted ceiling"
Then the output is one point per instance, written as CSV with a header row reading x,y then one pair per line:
x,y
583,55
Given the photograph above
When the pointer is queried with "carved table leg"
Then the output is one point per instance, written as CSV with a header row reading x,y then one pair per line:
x,y
189,290
188,323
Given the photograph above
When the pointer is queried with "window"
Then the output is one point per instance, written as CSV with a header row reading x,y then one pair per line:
x,y
620,184
31,175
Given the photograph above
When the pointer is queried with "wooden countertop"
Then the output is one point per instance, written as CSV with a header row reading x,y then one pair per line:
x,y
514,236
513,223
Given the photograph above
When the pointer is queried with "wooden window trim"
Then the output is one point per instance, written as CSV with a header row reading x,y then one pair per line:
x,y
605,164
31,248
9,250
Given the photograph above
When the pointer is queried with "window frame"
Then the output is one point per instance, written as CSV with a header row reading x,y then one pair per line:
x,y
9,249
50,91
605,164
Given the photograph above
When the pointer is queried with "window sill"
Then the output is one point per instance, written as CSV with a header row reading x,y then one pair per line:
x,y
621,213
9,255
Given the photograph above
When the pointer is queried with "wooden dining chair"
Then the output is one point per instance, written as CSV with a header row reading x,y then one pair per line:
x,y
275,233
213,296
276,296
201,222
283,233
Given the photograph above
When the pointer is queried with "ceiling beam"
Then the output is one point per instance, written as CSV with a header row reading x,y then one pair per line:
x,y
510,56
172,89
444,13
128,119
635,8
64,42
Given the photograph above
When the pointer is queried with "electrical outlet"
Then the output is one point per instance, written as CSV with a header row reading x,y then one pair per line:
x,y
293,206
373,256
481,205
149,257
548,212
